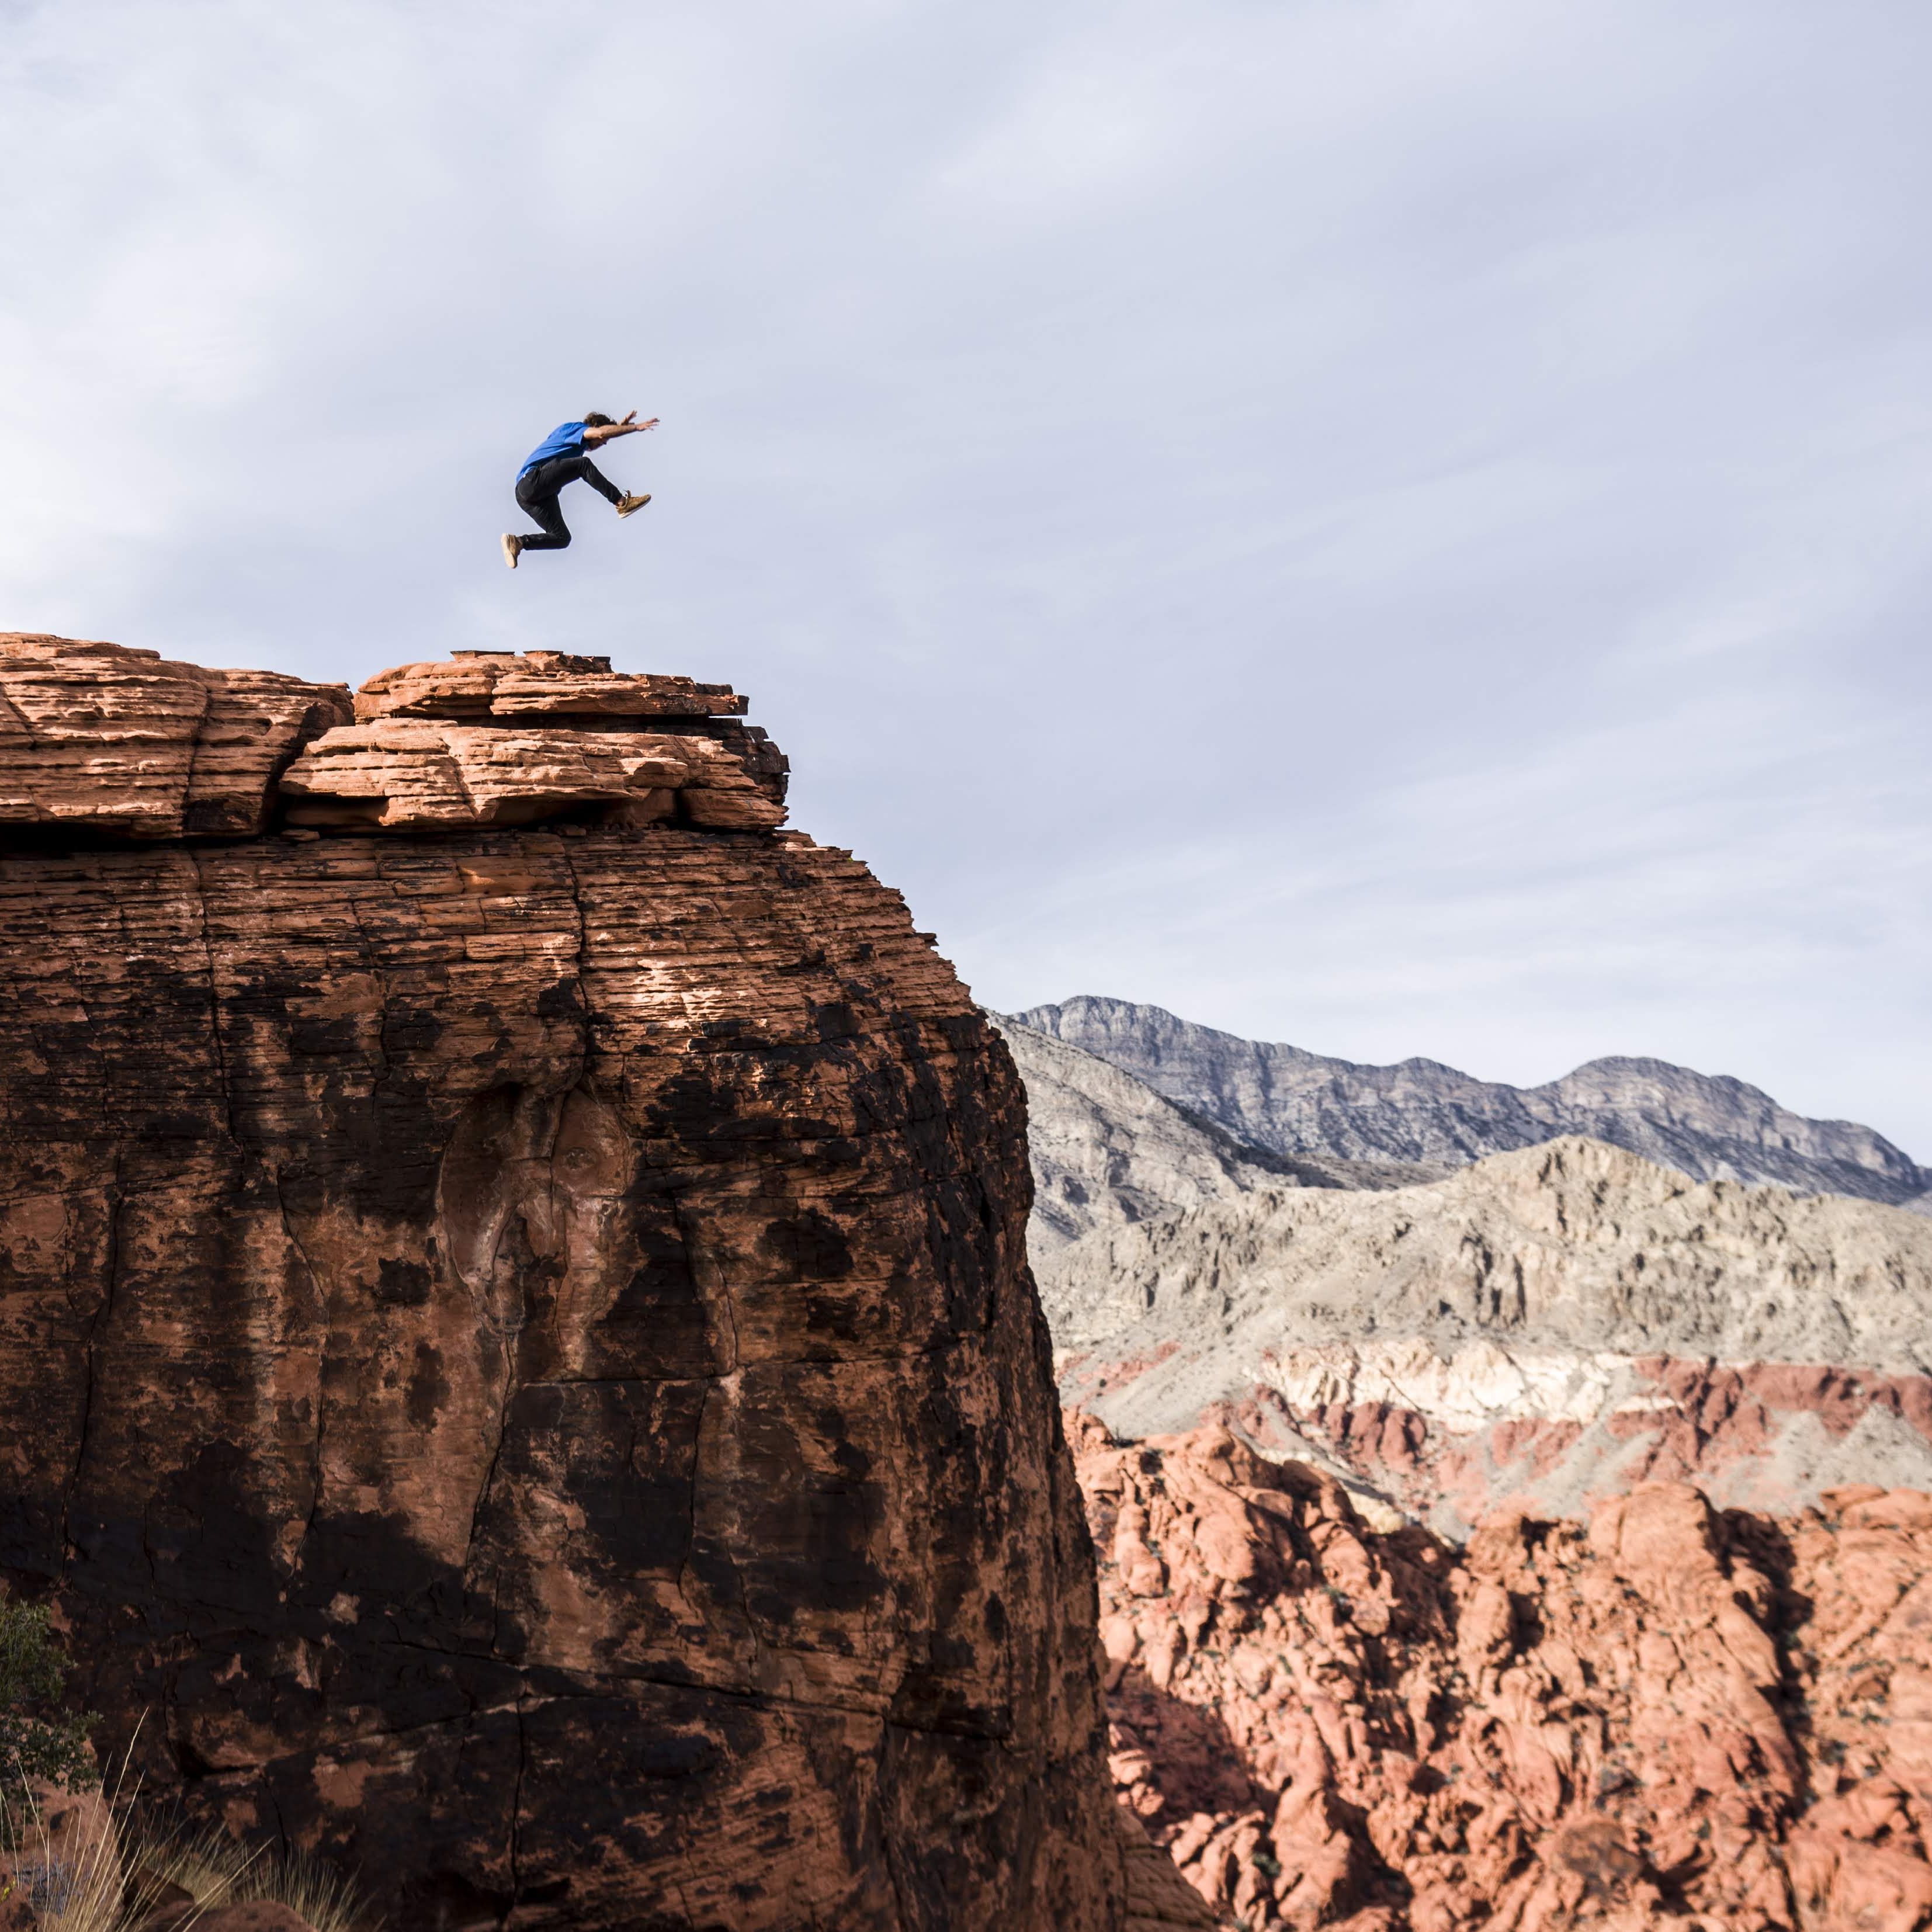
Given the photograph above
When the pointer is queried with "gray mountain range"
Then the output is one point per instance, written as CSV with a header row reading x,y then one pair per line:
x,y
1552,1291
1339,1124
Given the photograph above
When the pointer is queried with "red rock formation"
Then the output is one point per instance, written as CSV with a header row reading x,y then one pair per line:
x,y
509,687
1674,1718
519,1360
1545,1327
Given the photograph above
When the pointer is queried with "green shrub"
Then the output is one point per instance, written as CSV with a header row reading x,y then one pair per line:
x,y
37,1739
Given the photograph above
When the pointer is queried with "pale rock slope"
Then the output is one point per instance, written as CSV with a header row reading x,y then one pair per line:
x,y
1544,1327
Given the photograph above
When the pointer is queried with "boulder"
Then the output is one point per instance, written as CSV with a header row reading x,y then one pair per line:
x,y
250,1915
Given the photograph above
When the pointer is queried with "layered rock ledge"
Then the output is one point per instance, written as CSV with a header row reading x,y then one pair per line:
x,y
95,737
497,739
519,1357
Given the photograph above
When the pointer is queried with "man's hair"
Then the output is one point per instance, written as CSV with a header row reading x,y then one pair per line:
x,y
597,419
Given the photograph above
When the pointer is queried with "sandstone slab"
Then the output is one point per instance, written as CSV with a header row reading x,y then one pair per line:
x,y
515,687
492,739
97,738
421,775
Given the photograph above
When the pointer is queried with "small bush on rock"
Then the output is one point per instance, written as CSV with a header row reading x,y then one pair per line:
x,y
37,1739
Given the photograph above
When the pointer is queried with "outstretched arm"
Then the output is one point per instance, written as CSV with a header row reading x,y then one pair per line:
x,y
630,426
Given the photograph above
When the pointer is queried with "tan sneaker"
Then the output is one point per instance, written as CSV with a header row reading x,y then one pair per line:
x,y
632,505
513,548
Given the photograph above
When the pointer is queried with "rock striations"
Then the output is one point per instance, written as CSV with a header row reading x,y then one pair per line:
x,y
519,1356
492,740
96,738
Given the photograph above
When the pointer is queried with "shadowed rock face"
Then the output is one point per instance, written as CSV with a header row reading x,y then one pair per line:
x,y
520,1362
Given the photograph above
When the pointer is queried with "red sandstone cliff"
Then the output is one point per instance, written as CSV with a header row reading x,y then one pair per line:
x,y
518,1350
1674,1717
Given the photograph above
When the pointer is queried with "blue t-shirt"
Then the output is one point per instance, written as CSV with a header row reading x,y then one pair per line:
x,y
566,440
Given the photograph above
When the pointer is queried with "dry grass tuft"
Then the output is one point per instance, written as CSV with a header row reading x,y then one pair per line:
x,y
217,1871
65,1856
87,1865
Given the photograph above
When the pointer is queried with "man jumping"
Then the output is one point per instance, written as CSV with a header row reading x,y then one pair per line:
x,y
562,457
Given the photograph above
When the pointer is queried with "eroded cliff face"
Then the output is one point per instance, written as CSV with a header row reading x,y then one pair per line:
x,y
519,1355
1671,1717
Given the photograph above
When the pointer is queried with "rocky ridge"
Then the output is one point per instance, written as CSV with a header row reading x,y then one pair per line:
x,y
519,1354
1108,1151
1306,1105
1669,1718
1544,1327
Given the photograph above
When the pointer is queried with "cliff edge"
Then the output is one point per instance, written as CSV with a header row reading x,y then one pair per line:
x,y
519,1353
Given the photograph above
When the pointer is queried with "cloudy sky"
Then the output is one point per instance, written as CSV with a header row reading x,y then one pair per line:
x,y
1397,525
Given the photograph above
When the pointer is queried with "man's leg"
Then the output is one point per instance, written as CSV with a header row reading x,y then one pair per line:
x,y
583,466
536,497
626,503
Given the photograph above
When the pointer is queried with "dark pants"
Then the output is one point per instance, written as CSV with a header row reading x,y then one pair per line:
x,y
537,494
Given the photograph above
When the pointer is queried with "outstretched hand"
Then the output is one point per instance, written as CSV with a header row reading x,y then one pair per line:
x,y
630,426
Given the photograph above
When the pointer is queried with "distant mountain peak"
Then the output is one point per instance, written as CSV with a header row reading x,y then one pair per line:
x,y
1307,1105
